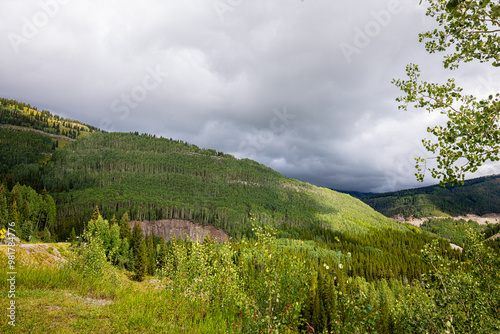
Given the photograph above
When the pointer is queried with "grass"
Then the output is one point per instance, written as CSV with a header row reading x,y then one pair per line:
x,y
53,299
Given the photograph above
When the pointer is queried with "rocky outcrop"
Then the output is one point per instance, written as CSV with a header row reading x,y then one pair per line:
x,y
168,228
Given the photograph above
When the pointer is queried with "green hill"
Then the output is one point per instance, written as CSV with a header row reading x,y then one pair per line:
x,y
155,178
151,178
477,196
29,137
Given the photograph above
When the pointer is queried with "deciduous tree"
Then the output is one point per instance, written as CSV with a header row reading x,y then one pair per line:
x,y
468,30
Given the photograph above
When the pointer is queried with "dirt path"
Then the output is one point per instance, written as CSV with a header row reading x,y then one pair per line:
x,y
13,127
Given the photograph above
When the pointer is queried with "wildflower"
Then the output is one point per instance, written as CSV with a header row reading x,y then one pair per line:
x,y
341,266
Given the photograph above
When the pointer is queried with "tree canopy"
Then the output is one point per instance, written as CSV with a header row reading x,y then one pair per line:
x,y
468,30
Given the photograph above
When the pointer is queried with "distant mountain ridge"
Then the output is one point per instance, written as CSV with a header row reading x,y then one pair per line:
x,y
477,196
356,194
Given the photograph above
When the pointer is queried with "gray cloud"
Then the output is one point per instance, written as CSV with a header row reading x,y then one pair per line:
x,y
301,86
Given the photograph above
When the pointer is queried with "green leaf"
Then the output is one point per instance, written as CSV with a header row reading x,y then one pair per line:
x,y
453,4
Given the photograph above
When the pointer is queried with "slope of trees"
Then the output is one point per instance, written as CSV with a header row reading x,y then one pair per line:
x,y
21,114
477,196
451,229
33,214
155,178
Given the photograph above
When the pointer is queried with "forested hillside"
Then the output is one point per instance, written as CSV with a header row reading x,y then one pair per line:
x,y
477,196
31,214
24,115
145,177
154,178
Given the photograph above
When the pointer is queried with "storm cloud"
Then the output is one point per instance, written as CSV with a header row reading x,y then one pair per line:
x,y
301,86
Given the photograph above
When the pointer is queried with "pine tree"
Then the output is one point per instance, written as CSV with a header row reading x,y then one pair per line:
x,y
141,261
95,214
113,221
13,215
16,197
26,230
124,256
125,227
72,236
151,255
137,236
24,211
4,210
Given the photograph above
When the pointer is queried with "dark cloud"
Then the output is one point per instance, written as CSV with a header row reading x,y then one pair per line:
x,y
301,86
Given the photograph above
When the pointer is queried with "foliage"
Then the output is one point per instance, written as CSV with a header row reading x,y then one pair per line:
x,y
72,236
302,258
24,115
477,196
32,212
140,261
451,229
472,134
456,297
20,149
261,283
156,178
88,258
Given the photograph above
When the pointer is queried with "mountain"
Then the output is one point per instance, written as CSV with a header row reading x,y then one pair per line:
x,y
153,179
477,196
157,178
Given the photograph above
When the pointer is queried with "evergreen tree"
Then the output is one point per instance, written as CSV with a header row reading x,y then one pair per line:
x,y
125,227
26,230
95,214
130,265
4,210
13,214
113,221
24,211
16,197
137,236
124,254
151,255
141,261
72,236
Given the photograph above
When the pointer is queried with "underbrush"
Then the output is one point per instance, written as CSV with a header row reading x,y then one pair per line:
x,y
254,286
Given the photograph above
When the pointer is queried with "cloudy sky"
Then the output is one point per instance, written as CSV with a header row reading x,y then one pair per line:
x,y
303,86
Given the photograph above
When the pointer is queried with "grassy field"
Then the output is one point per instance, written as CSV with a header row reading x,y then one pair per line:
x,y
52,298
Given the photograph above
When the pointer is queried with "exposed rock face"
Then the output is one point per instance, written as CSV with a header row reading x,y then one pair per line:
x,y
167,228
